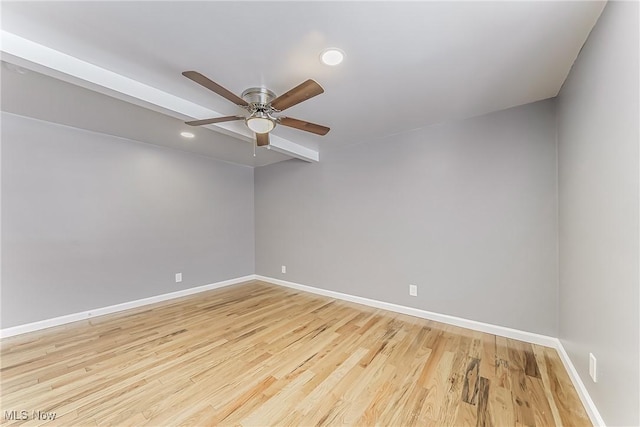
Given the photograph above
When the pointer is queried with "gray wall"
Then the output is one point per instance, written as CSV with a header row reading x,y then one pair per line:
x,y
598,196
90,220
467,211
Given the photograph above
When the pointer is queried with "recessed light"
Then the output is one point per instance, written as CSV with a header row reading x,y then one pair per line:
x,y
186,134
332,56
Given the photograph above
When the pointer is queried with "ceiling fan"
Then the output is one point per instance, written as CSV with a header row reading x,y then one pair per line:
x,y
262,104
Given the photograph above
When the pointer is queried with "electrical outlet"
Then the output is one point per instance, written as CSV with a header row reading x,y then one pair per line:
x,y
592,368
178,277
413,290
284,269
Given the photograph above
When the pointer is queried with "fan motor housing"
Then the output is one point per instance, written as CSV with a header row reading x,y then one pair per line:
x,y
258,96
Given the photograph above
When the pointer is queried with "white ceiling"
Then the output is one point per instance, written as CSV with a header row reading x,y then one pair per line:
x,y
408,64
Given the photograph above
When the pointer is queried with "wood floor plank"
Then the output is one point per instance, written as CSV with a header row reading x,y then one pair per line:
x,y
437,389
259,354
502,376
467,415
453,396
546,384
501,406
563,392
484,418
471,381
541,409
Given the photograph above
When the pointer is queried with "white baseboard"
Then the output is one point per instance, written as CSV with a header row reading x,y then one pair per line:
x,y
56,321
502,331
590,407
443,318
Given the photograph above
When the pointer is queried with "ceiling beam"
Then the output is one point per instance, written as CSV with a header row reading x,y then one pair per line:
x,y
60,65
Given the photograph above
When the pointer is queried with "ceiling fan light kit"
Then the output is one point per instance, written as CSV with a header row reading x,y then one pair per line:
x,y
262,104
260,122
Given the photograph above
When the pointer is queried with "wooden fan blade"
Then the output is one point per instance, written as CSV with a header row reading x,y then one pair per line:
x,y
215,87
300,93
213,120
262,139
305,126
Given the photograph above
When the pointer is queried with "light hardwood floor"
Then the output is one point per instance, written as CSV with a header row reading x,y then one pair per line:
x,y
259,354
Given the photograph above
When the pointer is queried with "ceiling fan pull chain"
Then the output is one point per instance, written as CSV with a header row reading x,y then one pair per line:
x,y
255,142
